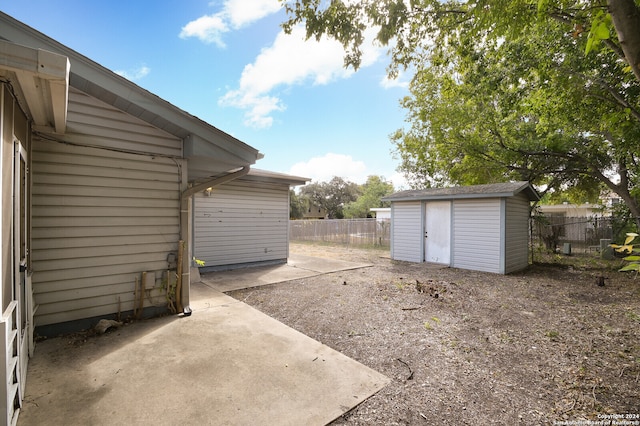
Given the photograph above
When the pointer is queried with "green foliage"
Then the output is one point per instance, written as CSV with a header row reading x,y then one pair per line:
x,y
552,335
508,110
578,194
297,205
633,253
622,221
503,89
342,199
413,28
371,193
332,195
601,27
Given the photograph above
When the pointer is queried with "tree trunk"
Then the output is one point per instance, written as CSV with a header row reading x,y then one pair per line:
x,y
628,199
633,207
622,189
626,20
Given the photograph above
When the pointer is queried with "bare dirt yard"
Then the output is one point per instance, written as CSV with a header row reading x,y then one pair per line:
x,y
543,346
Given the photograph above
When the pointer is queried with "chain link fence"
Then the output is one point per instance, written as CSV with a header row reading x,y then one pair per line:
x,y
551,232
356,232
584,234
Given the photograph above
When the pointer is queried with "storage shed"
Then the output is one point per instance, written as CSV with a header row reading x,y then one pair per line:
x,y
244,222
479,227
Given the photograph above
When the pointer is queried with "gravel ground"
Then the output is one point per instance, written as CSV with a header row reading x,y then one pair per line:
x,y
543,346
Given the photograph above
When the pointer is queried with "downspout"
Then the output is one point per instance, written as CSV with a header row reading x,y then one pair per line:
x,y
183,284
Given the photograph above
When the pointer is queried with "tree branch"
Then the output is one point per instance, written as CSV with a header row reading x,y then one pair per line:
x,y
625,15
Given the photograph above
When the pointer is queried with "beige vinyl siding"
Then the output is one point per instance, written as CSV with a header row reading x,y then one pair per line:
x,y
517,233
112,128
242,222
476,234
407,231
100,218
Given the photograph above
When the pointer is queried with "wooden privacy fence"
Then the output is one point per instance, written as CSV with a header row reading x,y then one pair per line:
x,y
357,232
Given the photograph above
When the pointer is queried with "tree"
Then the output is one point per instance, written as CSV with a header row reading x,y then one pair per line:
x,y
509,110
332,195
413,27
297,205
504,90
372,191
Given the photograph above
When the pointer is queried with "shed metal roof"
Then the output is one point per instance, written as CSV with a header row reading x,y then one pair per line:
x,y
494,190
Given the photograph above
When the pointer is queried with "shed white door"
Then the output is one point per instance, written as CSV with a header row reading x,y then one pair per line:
x,y
437,225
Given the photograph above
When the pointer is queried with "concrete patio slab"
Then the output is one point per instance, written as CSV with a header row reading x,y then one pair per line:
x,y
297,267
226,364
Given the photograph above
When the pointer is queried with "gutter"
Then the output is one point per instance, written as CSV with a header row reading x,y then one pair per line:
x,y
184,261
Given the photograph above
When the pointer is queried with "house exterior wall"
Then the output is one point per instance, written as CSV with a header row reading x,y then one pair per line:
x,y
382,213
93,122
407,233
516,233
103,212
242,222
16,331
477,234
573,210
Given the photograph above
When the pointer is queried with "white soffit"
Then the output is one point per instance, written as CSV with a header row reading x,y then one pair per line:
x,y
43,80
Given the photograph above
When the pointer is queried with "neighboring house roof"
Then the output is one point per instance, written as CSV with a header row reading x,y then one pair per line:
x,y
508,189
209,150
267,176
575,210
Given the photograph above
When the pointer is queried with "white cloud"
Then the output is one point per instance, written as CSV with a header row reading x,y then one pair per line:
x,y
399,81
208,29
235,14
135,74
322,169
243,12
290,60
399,182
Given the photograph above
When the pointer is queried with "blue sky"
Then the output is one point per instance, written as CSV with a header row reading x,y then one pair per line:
x,y
230,64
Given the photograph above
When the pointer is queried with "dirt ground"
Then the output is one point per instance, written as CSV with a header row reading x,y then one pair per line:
x,y
543,346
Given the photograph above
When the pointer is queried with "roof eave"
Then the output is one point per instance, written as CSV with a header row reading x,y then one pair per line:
x,y
526,188
268,176
42,79
117,91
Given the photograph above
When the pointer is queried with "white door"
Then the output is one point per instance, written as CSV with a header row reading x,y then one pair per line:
x,y
437,225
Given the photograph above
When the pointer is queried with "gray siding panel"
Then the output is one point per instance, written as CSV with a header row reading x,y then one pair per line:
x,y
476,228
100,218
517,233
242,222
407,231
